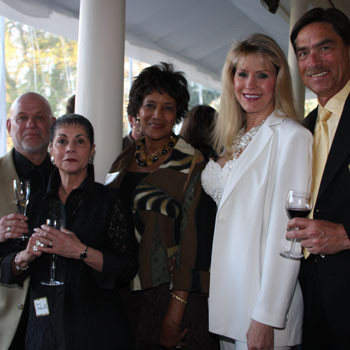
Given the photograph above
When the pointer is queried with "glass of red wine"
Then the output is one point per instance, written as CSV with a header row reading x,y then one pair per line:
x,y
298,204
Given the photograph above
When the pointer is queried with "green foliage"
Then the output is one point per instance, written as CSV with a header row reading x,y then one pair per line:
x,y
39,61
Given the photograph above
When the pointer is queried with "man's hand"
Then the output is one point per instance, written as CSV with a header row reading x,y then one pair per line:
x,y
12,226
319,236
260,336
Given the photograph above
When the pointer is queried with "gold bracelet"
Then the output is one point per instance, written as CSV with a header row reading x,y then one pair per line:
x,y
178,298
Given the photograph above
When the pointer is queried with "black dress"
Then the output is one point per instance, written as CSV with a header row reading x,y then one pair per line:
x,y
85,312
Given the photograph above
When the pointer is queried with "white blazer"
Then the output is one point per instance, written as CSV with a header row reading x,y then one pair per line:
x,y
249,279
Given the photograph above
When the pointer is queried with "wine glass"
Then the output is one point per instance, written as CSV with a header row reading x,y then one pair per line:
x,y
298,204
21,190
52,281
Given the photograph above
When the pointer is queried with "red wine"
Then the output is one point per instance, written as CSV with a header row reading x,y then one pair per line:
x,y
298,213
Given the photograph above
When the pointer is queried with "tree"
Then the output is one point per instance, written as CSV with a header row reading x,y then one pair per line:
x,y
39,61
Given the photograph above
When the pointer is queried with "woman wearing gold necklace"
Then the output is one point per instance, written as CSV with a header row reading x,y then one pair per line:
x,y
255,300
159,178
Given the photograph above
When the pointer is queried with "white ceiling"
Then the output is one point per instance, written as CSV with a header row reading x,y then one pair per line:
x,y
194,34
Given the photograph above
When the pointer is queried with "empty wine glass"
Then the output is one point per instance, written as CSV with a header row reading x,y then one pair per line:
x,y
21,190
52,281
298,204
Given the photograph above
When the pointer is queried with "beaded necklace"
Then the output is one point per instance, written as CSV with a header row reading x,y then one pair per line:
x,y
143,160
242,139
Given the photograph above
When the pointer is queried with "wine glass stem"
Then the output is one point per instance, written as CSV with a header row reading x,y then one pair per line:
x,y
293,242
292,247
53,268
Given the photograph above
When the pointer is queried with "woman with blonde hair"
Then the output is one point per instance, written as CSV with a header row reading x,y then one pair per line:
x,y
255,300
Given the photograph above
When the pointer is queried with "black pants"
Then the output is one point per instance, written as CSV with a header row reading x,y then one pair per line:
x,y
318,332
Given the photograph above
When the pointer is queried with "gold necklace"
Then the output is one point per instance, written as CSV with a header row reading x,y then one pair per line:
x,y
141,157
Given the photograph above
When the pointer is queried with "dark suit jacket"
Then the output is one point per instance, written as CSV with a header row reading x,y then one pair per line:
x,y
333,204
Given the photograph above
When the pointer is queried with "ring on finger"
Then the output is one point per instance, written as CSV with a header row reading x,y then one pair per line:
x,y
8,229
38,243
35,248
51,244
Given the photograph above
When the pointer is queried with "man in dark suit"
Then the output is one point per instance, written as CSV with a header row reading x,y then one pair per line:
x,y
321,40
29,127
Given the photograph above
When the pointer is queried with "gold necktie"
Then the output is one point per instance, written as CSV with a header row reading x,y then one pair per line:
x,y
320,154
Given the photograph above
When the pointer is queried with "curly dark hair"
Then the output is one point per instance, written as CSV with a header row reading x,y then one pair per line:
x,y
163,79
338,19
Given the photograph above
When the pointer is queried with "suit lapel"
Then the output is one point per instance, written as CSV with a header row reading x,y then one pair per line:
x,y
8,171
249,155
339,150
310,121
7,175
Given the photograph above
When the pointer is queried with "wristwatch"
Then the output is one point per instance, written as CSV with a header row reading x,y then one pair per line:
x,y
83,254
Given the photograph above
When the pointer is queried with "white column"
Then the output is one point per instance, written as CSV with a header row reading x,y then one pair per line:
x,y
298,8
100,76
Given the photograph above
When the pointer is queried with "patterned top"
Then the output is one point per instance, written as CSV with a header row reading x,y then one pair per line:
x,y
164,205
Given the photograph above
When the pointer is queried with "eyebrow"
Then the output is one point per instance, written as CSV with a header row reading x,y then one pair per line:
x,y
35,112
153,101
317,45
258,71
78,135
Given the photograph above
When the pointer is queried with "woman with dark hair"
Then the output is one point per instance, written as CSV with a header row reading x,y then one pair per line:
x,y
197,129
75,303
159,179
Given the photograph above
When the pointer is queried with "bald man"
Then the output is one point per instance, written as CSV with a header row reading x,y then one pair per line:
x,y
29,126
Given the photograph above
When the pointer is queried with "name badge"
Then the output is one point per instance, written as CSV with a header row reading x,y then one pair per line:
x,y
41,307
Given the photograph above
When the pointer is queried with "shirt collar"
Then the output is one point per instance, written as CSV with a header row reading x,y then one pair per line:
x,y
24,166
55,180
336,104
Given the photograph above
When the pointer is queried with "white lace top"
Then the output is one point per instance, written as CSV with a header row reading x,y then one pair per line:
x,y
214,178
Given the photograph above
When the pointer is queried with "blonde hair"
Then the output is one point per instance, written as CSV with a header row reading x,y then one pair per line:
x,y
231,116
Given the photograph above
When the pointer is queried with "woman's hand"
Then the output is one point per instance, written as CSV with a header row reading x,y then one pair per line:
x,y
260,336
66,244
60,242
171,334
26,256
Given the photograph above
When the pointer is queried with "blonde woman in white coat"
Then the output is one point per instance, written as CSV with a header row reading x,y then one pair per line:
x,y
255,300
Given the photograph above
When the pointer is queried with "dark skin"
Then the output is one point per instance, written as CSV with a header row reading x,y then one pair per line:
x,y
171,334
157,117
